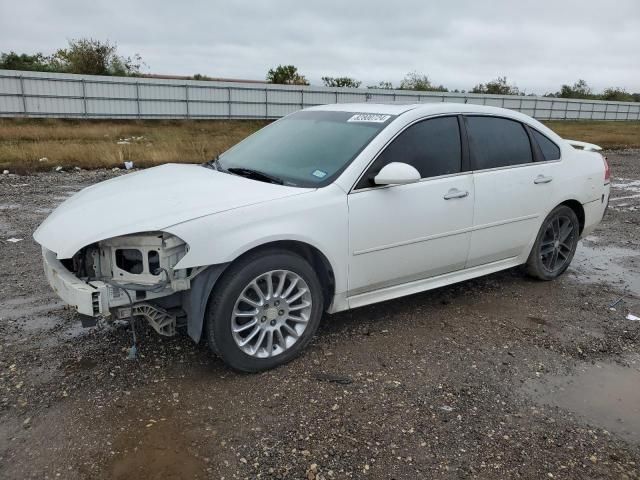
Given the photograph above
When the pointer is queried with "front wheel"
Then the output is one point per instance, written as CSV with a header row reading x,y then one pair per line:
x,y
264,310
555,244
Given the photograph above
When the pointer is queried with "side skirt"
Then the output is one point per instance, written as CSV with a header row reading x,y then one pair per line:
x,y
389,293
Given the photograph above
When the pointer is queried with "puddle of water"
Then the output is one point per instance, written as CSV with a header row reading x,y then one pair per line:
x,y
605,395
39,323
607,264
9,311
160,450
9,206
6,230
625,194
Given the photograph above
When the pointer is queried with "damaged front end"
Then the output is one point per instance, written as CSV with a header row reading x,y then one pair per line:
x,y
126,276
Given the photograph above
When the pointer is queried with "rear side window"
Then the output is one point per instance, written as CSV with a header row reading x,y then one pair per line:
x,y
432,146
497,142
550,151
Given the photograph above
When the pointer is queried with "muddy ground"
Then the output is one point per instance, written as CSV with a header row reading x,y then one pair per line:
x,y
498,377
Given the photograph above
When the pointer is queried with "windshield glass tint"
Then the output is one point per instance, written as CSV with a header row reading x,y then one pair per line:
x,y
307,148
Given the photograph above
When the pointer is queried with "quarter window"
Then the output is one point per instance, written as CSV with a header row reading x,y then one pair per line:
x,y
497,142
550,150
432,146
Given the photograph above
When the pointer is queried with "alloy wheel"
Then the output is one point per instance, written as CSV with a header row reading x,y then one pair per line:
x,y
271,313
558,243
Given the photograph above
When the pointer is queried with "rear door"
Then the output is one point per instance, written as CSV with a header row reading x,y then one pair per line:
x,y
513,184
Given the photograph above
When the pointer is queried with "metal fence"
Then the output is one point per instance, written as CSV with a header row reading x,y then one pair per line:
x,y
39,94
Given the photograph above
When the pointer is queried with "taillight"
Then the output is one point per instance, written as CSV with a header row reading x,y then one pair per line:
x,y
607,171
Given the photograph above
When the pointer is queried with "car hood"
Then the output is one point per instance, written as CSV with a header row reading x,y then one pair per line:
x,y
149,200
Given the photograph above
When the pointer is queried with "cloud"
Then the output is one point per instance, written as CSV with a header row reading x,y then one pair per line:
x,y
458,43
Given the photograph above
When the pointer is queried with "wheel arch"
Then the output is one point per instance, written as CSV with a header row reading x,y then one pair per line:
x,y
195,300
316,258
578,209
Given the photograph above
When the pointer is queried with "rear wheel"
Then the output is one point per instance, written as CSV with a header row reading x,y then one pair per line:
x,y
555,244
264,311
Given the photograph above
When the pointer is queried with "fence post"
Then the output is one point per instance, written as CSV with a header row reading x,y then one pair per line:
x,y
535,108
138,98
229,101
566,107
24,98
84,97
336,92
186,98
301,99
266,104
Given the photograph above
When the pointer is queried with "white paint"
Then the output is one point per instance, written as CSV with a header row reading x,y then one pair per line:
x,y
381,242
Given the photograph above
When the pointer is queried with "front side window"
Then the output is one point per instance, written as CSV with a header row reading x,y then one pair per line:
x,y
497,142
432,146
307,148
550,151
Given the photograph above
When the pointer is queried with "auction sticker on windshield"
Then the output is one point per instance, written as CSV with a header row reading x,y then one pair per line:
x,y
369,117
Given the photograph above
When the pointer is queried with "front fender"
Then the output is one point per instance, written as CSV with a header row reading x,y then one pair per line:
x,y
319,219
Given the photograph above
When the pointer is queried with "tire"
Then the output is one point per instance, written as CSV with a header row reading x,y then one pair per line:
x,y
557,239
231,320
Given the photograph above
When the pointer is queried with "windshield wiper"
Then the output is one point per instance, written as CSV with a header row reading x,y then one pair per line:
x,y
256,175
214,163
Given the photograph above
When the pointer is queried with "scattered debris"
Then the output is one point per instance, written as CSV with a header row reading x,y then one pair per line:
x,y
329,377
43,159
14,240
58,168
446,408
5,172
613,305
123,142
128,165
633,318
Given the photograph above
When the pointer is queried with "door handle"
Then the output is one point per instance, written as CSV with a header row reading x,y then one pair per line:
x,y
542,179
455,193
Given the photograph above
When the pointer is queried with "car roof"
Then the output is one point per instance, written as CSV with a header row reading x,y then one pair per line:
x,y
426,108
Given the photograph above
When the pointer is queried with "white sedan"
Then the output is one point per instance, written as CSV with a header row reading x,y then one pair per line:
x,y
326,209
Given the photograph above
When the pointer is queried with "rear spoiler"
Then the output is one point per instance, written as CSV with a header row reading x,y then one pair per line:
x,y
590,147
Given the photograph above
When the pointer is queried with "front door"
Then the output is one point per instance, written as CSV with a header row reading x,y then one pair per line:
x,y
402,233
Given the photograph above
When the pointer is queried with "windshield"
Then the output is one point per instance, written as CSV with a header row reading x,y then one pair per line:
x,y
305,149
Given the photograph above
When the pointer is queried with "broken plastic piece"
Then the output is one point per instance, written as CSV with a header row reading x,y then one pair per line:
x,y
133,353
633,318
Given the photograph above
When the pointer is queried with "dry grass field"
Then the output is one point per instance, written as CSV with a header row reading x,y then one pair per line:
x,y
43,144
28,145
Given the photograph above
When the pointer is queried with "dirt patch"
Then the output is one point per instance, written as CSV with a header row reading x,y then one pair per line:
x,y
436,385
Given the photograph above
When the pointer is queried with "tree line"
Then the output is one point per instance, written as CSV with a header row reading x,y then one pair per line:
x,y
289,75
94,57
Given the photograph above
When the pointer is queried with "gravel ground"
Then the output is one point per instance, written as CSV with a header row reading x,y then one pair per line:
x,y
498,377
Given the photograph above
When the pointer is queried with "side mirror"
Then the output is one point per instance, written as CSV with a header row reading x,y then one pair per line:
x,y
397,173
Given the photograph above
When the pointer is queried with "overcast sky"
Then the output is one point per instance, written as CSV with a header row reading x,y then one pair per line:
x,y
538,45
